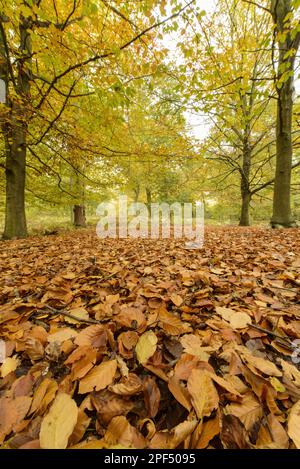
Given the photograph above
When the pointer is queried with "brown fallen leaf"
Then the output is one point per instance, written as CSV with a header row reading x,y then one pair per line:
x,y
64,333
94,336
57,426
176,299
120,432
12,412
109,405
203,393
193,346
151,396
249,410
179,392
146,346
171,439
9,365
172,324
43,396
210,429
233,433
132,318
294,424
80,428
128,386
185,366
265,366
99,378
236,319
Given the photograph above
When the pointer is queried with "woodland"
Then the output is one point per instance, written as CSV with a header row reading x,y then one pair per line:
x,y
144,343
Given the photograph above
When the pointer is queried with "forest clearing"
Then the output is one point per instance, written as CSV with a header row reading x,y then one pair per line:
x,y
149,211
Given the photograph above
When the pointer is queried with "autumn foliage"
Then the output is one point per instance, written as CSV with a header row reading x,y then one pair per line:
x,y
144,344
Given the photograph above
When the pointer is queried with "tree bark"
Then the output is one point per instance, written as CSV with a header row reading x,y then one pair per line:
x,y
245,209
15,219
79,215
245,184
282,214
14,128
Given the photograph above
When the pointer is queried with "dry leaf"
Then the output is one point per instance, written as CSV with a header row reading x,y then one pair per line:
x,y
146,346
128,386
210,429
10,364
193,346
249,410
294,424
59,423
99,378
172,324
179,392
203,393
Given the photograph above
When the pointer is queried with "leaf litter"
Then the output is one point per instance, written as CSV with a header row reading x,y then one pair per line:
x,y
145,344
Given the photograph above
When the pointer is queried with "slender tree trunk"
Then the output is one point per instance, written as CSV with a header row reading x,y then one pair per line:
x,y
245,175
245,209
149,196
15,219
282,214
15,132
79,215
136,191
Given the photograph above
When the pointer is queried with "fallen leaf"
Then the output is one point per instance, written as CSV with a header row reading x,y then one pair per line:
x,y
203,393
172,324
57,426
128,386
99,378
294,424
10,364
146,346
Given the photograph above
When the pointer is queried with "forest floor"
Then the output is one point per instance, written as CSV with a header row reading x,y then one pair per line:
x,y
145,344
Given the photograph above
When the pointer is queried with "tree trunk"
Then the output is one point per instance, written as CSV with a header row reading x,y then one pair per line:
x,y
282,215
245,209
136,191
14,129
245,175
149,196
79,215
15,219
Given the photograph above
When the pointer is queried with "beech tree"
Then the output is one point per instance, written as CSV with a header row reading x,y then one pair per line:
x,y
48,54
287,40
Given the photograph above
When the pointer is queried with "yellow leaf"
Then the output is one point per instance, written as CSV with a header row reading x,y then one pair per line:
x,y
59,424
239,320
236,319
99,378
203,392
146,346
79,313
193,346
61,335
294,424
172,324
9,365
249,411
176,299
265,366
277,385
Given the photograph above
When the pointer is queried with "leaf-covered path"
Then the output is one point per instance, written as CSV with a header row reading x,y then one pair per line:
x,y
171,348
